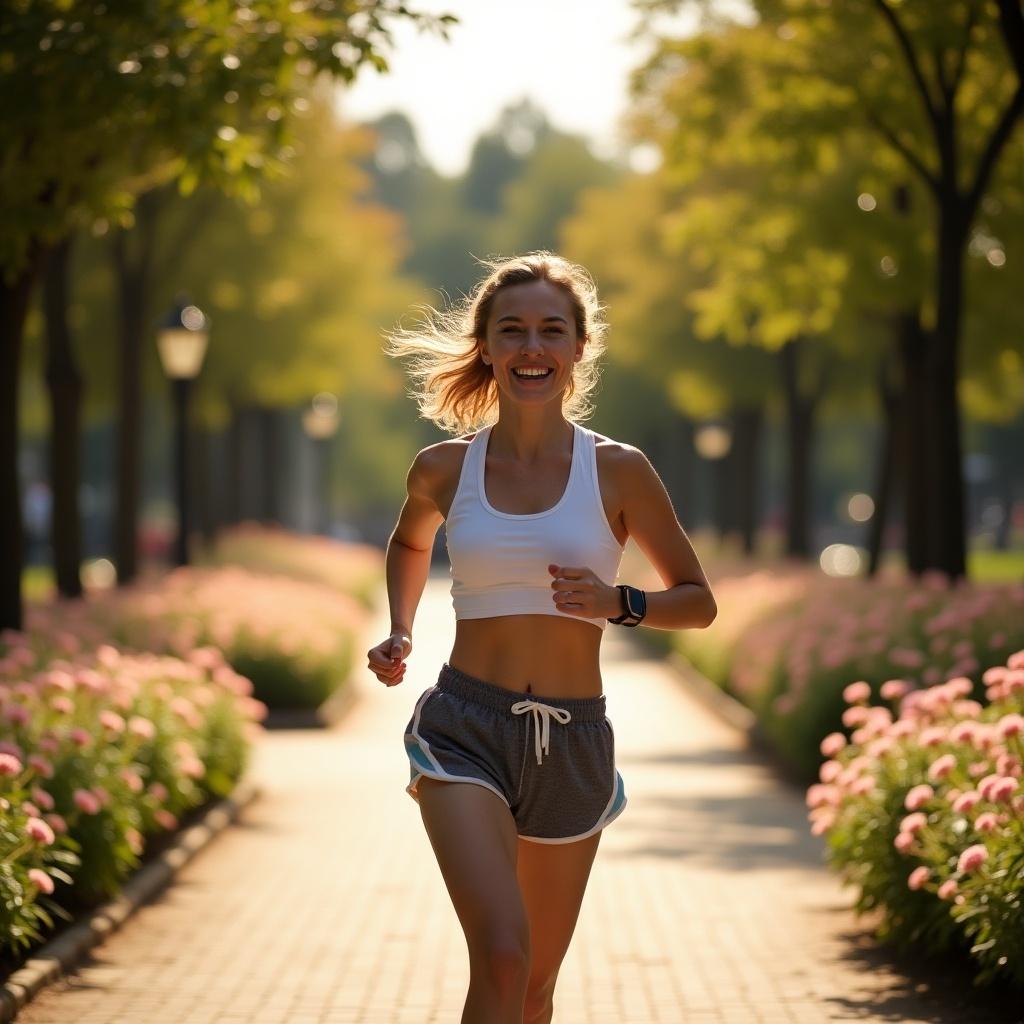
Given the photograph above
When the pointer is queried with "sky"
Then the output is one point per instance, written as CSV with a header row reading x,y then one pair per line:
x,y
571,57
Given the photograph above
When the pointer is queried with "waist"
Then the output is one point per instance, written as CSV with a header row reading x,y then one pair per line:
x,y
515,651
482,691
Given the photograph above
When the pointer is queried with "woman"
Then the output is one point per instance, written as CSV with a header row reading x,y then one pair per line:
x,y
511,755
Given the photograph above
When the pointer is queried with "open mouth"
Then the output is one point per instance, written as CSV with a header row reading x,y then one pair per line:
x,y
533,376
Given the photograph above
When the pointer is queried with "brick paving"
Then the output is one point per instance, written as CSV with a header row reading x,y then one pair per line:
x,y
708,903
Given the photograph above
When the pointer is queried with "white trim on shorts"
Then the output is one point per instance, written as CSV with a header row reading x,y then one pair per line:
x,y
602,821
439,773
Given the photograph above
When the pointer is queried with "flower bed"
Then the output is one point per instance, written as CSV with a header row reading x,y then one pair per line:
x,y
98,751
787,644
353,569
923,811
294,639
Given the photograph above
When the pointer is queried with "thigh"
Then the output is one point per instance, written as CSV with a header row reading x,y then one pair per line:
x,y
552,879
474,839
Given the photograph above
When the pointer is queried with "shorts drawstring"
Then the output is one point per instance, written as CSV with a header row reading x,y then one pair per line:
x,y
542,715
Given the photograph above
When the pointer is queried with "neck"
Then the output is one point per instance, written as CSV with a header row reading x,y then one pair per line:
x,y
527,438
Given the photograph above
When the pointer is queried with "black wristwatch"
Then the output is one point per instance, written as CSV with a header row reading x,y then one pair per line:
x,y
634,606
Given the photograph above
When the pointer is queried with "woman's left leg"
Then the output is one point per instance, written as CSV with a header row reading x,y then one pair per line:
x,y
552,878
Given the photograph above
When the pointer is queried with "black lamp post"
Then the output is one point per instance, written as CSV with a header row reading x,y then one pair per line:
x,y
320,421
181,340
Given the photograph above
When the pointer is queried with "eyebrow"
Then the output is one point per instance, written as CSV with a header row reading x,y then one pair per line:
x,y
512,316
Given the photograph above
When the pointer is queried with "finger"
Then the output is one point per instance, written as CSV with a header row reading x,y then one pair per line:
x,y
572,572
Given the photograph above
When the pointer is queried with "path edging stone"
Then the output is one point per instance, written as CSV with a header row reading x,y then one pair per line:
x,y
61,954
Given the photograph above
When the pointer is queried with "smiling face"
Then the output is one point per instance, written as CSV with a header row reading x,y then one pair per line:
x,y
532,325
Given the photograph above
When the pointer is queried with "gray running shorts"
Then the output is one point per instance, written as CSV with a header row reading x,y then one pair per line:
x,y
550,759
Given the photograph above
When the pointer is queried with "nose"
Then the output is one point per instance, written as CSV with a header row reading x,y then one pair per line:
x,y
532,342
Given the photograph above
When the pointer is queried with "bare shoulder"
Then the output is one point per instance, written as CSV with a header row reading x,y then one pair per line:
x,y
435,471
617,461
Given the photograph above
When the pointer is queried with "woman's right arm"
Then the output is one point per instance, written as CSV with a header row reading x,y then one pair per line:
x,y
407,565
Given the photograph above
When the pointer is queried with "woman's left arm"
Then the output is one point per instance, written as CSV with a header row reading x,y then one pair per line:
x,y
651,521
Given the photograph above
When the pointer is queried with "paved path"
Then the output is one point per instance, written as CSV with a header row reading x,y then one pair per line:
x,y
707,904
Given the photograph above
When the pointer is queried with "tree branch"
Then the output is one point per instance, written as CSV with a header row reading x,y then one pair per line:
x,y
911,58
908,154
997,140
961,57
1011,20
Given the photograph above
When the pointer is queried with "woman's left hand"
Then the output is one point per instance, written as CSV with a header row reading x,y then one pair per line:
x,y
578,591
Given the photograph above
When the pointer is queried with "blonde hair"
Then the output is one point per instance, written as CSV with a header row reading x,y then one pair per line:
x,y
453,386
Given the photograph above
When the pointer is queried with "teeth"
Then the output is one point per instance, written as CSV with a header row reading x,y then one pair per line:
x,y
530,373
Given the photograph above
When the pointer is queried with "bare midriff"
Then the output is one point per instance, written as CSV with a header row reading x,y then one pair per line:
x,y
543,655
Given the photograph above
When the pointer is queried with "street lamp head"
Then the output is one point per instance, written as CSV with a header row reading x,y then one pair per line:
x,y
712,441
320,420
181,340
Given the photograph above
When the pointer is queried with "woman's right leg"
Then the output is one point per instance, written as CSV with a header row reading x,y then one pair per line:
x,y
474,839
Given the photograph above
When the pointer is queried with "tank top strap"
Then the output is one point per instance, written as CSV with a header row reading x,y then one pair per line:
x,y
590,481
466,489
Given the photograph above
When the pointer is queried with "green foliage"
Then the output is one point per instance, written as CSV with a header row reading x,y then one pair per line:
x,y
202,90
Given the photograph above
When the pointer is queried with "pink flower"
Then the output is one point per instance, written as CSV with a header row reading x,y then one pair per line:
x,y
142,727
165,819
80,737
41,765
132,779
159,790
62,705
41,880
832,744
986,822
57,823
941,767
857,693
962,732
111,720
966,802
39,830
854,716
893,689
948,889
918,796
9,765
828,771
86,801
863,785
918,877
1010,725
972,858
17,714
904,841
42,798
933,736
1002,790
913,823
822,823
819,794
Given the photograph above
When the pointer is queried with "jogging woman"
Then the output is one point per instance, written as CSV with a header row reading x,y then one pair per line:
x,y
511,755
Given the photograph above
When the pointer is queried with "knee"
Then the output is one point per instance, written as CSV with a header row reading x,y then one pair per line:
x,y
504,961
540,993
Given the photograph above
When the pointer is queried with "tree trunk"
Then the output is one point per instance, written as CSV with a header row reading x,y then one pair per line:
x,y
747,434
236,468
916,432
889,458
270,465
948,550
65,386
800,447
133,276
14,300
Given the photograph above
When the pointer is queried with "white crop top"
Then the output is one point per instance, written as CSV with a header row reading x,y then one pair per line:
x,y
499,561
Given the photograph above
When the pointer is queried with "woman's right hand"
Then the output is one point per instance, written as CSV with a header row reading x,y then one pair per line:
x,y
387,659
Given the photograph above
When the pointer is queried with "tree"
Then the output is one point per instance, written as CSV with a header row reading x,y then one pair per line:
x,y
942,88
97,107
